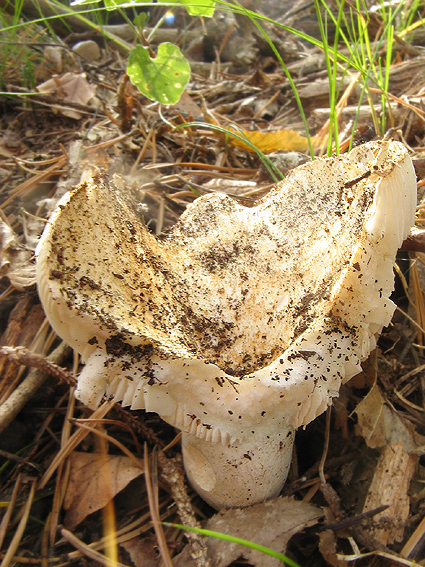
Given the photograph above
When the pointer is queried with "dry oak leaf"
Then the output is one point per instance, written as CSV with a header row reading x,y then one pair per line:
x,y
94,479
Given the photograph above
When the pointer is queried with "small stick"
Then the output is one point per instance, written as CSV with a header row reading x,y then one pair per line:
x,y
24,356
173,473
151,488
325,447
349,522
86,550
35,379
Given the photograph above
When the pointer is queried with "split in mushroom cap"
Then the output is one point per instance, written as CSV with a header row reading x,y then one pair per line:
x,y
239,325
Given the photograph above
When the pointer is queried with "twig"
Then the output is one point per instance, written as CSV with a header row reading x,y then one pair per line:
x,y
348,522
325,447
18,459
172,472
88,551
155,515
24,356
349,558
53,101
414,539
72,442
8,558
8,514
25,391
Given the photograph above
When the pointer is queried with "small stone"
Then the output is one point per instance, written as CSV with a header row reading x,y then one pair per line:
x,y
89,50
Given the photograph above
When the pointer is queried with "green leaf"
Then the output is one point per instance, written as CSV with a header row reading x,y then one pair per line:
x,y
140,20
163,78
199,7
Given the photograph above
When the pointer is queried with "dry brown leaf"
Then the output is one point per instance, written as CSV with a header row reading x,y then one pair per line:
x,y
142,551
188,106
72,87
370,424
380,424
94,480
269,142
271,523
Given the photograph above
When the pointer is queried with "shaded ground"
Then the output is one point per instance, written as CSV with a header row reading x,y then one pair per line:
x,y
57,476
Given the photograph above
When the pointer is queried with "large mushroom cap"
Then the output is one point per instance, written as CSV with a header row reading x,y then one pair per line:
x,y
239,318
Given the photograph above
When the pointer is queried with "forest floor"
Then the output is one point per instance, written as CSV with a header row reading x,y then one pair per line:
x,y
85,488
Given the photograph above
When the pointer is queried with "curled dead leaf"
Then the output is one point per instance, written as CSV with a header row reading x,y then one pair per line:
x,y
94,479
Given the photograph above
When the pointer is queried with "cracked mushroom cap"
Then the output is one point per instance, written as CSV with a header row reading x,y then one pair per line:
x,y
238,325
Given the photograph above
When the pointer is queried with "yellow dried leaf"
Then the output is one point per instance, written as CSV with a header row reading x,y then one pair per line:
x,y
268,142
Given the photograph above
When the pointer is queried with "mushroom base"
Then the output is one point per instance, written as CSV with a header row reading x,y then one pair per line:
x,y
239,474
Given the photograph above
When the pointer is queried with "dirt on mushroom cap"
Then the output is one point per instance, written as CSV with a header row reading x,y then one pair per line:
x,y
230,285
287,296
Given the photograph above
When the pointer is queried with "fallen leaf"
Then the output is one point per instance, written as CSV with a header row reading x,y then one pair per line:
x,y
271,524
72,87
94,479
268,142
370,424
141,551
53,55
380,424
188,106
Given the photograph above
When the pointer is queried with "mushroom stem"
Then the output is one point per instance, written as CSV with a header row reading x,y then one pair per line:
x,y
238,474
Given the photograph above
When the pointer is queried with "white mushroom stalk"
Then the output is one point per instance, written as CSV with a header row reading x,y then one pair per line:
x,y
240,324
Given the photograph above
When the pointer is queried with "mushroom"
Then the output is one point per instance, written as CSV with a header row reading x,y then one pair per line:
x,y
239,325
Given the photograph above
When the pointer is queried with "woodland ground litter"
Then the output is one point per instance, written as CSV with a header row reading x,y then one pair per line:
x,y
66,482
